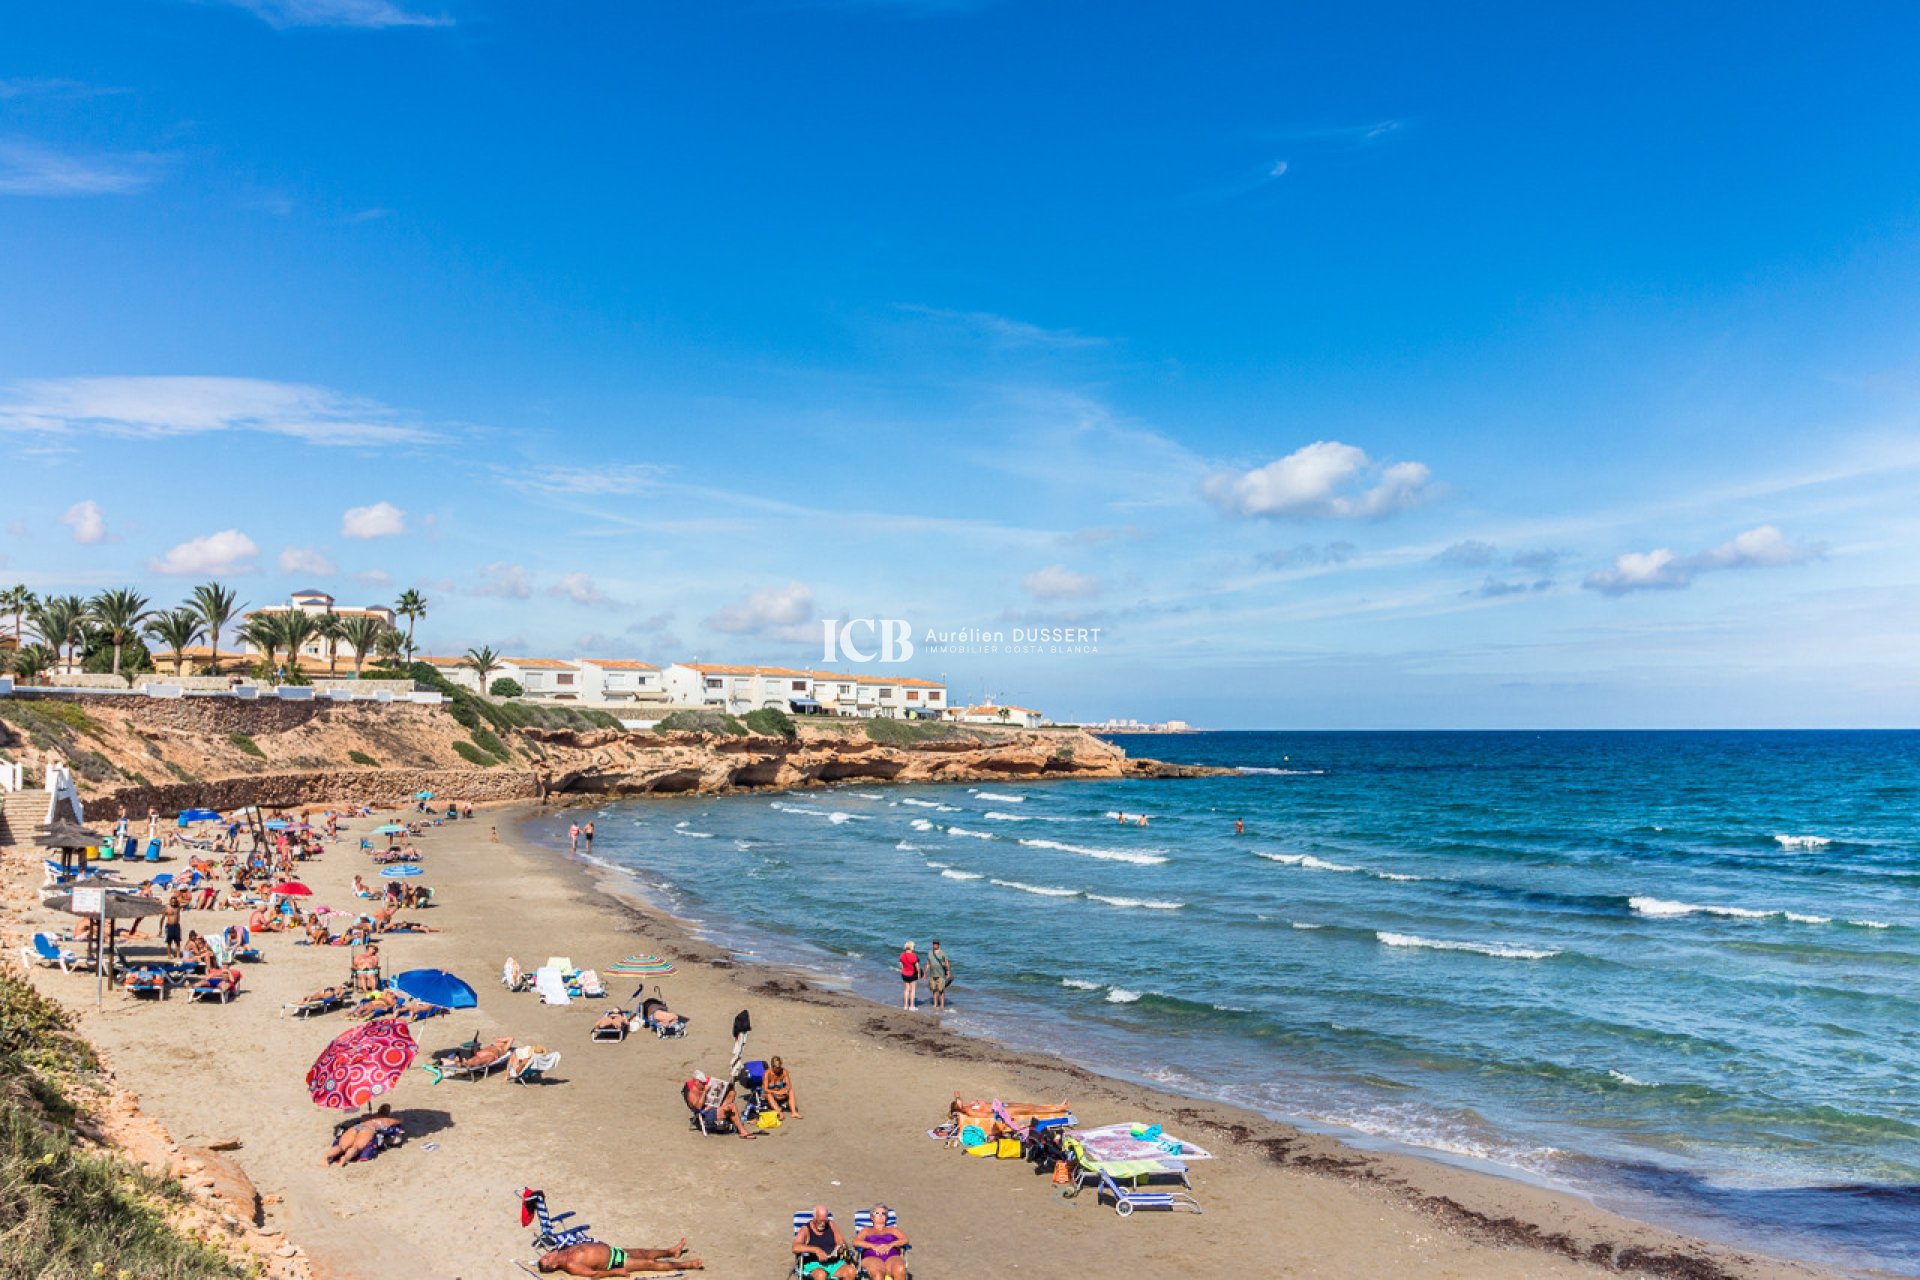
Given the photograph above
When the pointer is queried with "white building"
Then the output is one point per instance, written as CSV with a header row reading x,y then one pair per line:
x,y
740,689
593,681
621,680
995,713
315,604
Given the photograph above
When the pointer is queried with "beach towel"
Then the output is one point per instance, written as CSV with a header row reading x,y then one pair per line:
x,y
551,985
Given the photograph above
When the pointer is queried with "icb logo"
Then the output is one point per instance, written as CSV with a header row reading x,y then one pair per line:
x,y
894,635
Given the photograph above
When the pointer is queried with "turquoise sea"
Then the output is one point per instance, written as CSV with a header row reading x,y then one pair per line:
x,y
1674,971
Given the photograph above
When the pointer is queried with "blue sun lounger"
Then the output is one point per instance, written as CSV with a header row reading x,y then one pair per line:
x,y
1127,1199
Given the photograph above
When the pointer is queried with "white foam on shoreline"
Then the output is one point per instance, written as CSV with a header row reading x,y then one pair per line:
x,y
1040,889
929,804
1079,984
950,874
1120,995
999,797
1140,858
996,816
1494,949
921,824
977,835
1803,842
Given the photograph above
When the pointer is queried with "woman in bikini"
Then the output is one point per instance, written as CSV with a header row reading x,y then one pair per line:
x,y
779,1087
883,1248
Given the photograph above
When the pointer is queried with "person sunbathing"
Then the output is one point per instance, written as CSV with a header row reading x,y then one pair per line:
x,y
654,1010
779,1087
523,1057
263,921
380,1005
317,934
596,1259
366,967
712,1101
614,1020
484,1056
325,995
820,1246
227,980
409,926
883,1248
360,889
352,1142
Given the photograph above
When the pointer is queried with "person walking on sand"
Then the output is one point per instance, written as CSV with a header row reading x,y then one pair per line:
x,y
939,976
587,832
573,834
909,976
493,835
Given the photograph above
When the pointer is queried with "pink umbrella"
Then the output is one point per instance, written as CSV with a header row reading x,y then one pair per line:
x,y
361,1064
291,889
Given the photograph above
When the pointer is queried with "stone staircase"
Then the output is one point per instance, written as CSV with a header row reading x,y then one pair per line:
x,y
20,813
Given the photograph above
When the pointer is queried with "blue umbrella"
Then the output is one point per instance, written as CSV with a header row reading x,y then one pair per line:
x,y
423,795
436,986
197,815
389,829
401,872
276,824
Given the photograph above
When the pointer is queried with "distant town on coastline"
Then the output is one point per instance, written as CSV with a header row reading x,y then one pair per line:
x,y
102,641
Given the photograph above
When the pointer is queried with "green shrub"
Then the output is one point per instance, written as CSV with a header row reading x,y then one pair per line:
x,y
242,742
506,687
771,721
700,722
472,754
489,742
361,757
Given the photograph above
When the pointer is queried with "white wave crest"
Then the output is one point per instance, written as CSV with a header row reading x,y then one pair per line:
x,y
996,816
1478,948
1624,1078
1276,773
904,847
1870,924
1040,889
1119,995
693,835
929,804
1139,858
1394,875
1000,796
837,818
1148,903
950,874
1079,984
977,835
1300,925
1663,908
921,824
1803,842
938,866
867,795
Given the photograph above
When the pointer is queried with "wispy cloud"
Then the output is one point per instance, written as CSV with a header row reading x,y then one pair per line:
x,y
52,87
782,612
374,14
1663,570
1319,480
580,589
617,478
307,560
158,408
1004,331
1057,582
29,168
503,580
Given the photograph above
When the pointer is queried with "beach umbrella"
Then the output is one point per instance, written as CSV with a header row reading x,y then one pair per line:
x,y
649,966
277,824
120,905
190,816
401,872
436,986
423,795
291,889
361,1064
390,829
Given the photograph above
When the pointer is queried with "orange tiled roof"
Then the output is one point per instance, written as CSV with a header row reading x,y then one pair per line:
x,y
620,664
538,664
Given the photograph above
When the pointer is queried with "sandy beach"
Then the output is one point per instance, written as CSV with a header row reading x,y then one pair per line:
x,y
609,1138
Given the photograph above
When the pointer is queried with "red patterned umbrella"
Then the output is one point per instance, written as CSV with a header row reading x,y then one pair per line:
x,y
361,1064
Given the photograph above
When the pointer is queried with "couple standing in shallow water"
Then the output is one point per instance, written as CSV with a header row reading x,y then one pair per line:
x,y
577,833
935,967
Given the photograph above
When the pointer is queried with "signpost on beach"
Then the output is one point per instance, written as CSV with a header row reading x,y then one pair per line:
x,y
92,901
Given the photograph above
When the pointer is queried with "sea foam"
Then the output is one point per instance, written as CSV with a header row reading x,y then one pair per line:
x,y
1149,903
1803,842
1138,858
1478,948
1040,889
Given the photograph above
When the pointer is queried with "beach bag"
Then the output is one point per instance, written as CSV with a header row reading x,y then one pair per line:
x,y
1062,1173
767,1120
984,1150
1009,1148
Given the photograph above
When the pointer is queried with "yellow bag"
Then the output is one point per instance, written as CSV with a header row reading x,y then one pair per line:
x,y
768,1120
1009,1148
984,1149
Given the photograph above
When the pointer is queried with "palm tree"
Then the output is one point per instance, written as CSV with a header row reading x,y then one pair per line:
x,y
57,621
119,614
483,662
361,633
388,646
411,605
296,628
19,602
328,627
30,662
262,631
176,629
217,606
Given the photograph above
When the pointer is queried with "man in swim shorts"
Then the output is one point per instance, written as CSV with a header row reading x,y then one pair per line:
x,y
596,1259
819,1246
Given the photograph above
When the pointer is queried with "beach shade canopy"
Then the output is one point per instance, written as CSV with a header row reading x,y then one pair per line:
x,y
401,872
361,1064
291,889
389,829
67,835
436,986
646,966
190,816
119,906
423,795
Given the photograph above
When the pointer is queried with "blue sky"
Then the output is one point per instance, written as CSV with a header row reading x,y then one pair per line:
x,y
1379,368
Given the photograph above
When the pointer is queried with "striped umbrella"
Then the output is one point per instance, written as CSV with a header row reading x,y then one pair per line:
x,y
361,1064
648,966
402,872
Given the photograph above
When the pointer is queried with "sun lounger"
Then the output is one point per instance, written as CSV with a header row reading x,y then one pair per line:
x,y
461,1071
590,985
848,1269
219,985
554,1231
613,1035
1127,1199
146,982
52,955
307,1008
551,983
536,1068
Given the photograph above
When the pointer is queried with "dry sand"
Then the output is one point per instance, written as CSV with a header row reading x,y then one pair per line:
x,y
609,1138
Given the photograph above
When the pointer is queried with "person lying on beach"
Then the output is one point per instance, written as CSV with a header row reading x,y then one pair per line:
x,y
883,1249
325,995
653,1009
779,1086
596,1259
352,1142
614,1020
819,1246
409,926
484,1056
712,1101
382,1005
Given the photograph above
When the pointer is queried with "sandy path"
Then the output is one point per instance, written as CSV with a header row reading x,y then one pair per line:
x,y
610,1138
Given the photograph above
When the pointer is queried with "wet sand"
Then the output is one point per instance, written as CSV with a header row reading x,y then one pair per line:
x,y
609,1138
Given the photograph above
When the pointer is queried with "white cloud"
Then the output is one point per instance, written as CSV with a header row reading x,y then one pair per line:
x,y
1662,569
771,609
33,169
580,589
503,580
310,560
225,552
1057,582
1322,479
160,408
380,520
88,522
619,478
339,13
1472,553
375,577
1004,331
1279,169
